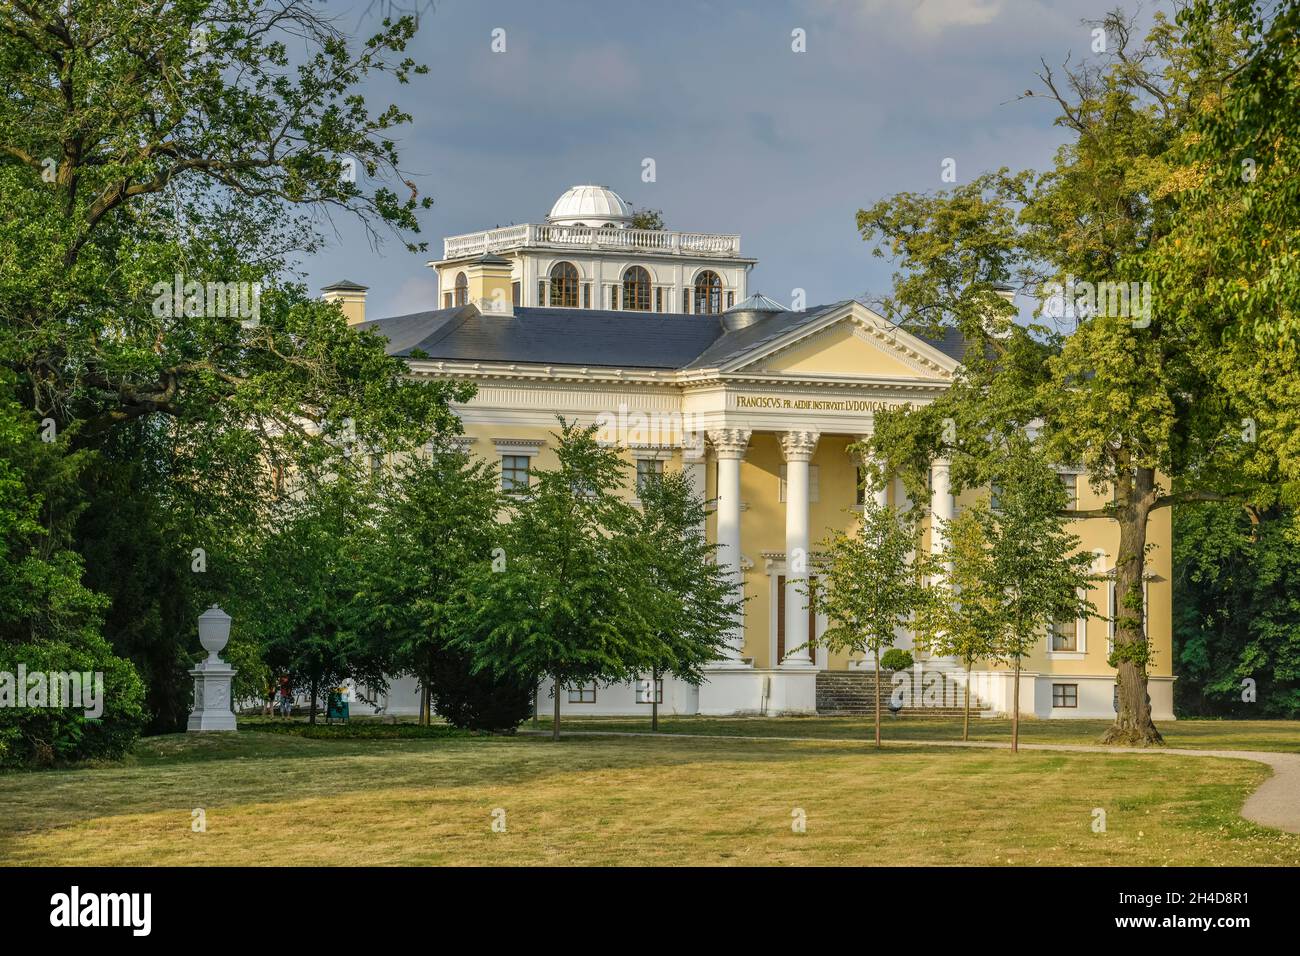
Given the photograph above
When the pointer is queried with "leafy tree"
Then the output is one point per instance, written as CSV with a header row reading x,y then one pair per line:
x,y
690,601
436,518
648,219
1230,255
965,620
870,583
564,603
477,700
1037,571
1132,396
306,608
207,140
49,620
1237,618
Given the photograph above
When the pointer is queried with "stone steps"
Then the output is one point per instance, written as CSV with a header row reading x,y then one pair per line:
x,y
853,694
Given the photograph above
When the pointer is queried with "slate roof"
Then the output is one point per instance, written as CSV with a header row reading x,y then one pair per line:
x,y
591,337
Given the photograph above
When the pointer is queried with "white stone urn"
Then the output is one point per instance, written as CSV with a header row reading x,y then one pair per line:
x,y
213,677
214,631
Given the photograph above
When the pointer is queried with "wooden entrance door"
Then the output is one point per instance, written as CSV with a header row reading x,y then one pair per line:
x,y
780,620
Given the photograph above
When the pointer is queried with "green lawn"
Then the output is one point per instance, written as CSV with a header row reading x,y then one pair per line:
x,y
279,798
1277,735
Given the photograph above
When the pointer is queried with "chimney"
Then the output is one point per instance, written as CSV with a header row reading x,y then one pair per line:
x,y
491,287
351,299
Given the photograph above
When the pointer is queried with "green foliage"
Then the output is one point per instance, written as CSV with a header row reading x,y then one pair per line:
x,y
436,518
871,582
966,620
896,659
565,602
301,599
49,620
1037,571
477,701
1237,614
1139,402
353,730
648,219
201,139
689,601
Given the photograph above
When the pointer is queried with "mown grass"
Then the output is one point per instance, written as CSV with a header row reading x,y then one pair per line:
x,y
278,798
1275,735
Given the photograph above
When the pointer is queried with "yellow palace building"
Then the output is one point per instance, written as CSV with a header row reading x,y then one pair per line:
x,y
654,336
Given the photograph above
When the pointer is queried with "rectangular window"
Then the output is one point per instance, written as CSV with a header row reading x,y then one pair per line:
x,y
586,295
659,300
541,293
686,301
582,694
514,472
1065,636
643,691
646,470
994,491
860,494
1065,695
1071,485
516,290
731,299
446,300
376,463
613,297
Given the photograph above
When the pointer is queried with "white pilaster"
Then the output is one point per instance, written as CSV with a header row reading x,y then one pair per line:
x,y
798,448
729,446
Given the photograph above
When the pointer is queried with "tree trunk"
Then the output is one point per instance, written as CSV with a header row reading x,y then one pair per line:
x,y
537,689
654,700
1015,709
555,726
965,717
877,653
425,703
1133,725
311,718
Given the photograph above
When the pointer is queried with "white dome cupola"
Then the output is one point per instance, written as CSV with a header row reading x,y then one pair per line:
x,y
595,206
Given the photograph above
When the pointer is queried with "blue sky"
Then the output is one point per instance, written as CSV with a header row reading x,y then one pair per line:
x,y
747,136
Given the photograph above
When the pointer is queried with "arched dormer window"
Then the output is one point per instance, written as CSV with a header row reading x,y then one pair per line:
x,y
636,289
462,289
708,293
564,285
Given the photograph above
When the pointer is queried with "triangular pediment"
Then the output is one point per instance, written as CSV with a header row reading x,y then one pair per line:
x,y
853,342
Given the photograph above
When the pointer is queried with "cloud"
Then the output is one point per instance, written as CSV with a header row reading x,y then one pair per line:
x,y
929,17
416,294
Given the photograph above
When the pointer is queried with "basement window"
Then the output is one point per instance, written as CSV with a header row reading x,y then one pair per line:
x,y
1065,695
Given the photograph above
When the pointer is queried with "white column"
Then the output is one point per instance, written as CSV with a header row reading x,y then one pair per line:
x,y
693,465
881,492
729,446
942,507
798,448
904,638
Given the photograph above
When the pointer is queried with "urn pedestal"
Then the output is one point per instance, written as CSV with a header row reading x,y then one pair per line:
x,y
212,697
213,677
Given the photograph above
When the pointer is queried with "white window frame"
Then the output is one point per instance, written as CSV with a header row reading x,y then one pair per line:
x,y
641,689
1080,638
581,691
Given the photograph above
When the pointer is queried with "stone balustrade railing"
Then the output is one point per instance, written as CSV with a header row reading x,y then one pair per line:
x,y
586,237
